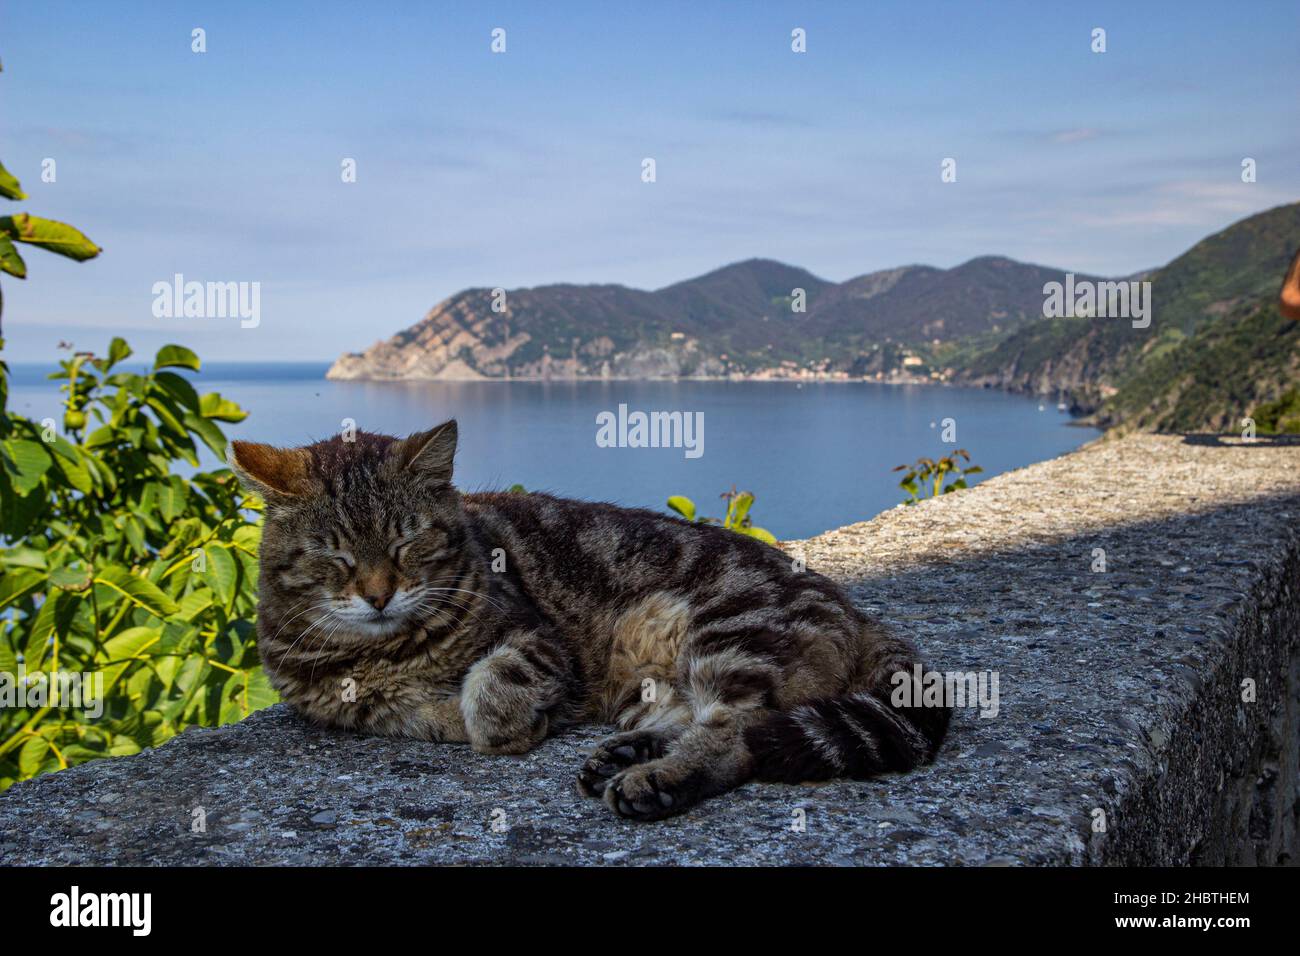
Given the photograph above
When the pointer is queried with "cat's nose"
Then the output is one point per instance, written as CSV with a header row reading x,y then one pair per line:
x,y
379,598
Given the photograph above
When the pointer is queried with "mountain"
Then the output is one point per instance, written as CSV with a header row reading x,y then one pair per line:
x,y
737,321
1215,349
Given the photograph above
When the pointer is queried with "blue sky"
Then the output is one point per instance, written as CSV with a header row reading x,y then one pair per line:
x,y
523,168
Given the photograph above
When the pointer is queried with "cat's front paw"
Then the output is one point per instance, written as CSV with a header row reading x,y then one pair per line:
x,y
507,737
503,712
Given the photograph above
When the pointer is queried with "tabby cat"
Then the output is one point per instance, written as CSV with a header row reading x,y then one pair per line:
x,y
393,604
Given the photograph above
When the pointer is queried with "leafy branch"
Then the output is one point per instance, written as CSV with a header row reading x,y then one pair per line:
x,y
926,478
57,237
737,516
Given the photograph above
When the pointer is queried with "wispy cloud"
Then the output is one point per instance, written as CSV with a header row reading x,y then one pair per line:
x,y
1075,135
1189,202
763,118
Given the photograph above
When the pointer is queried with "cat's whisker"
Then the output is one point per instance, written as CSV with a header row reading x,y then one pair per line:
x,y
477,594
440,600
323,642
317,605
307,630
321,637
445,602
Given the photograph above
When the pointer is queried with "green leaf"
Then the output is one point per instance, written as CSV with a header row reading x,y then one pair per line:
x,y
141,592
171,498
244,693
75,473
101,436
16,585
31,756
118,351
77,753
739,509
762,534
18,512
195,603
10,261
175,356
130,643
122,650
179,388
8,658
56,618
25,461
134,532
71,579
57,237
9,186
166,414
213,405
124,747
683,506
248,536
209,432
22,556
220,573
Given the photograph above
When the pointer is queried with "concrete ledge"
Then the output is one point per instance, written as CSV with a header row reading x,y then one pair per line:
x,y
1120,694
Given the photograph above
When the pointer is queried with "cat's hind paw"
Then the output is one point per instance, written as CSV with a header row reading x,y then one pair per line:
x,y
652,791
615,754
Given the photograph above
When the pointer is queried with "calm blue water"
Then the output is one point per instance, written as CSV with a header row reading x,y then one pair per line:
x,y
815,456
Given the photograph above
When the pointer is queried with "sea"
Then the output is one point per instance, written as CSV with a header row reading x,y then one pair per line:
x,y
815,456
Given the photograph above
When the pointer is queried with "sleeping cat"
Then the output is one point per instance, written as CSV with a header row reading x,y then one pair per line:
x,y
393,604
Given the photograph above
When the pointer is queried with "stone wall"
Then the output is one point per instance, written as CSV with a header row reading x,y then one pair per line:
x,y
1146,713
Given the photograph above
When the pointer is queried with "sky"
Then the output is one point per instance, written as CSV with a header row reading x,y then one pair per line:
x,y
521,168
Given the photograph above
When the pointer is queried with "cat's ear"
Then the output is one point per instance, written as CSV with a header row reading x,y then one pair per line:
x,y
270,470
429,454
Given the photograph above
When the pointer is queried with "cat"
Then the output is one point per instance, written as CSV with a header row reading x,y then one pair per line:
x,y
391,603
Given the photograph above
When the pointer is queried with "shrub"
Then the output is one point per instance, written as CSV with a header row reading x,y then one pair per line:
x,y
119,568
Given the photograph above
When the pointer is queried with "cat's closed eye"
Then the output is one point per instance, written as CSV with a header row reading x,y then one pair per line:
x,y
432,545
336,549
342,557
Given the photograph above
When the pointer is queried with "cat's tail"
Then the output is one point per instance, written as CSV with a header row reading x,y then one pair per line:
x,y
886,725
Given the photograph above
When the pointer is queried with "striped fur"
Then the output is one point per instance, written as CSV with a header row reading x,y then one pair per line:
x,y
393,604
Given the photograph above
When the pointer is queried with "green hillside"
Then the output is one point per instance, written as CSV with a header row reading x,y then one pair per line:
x,y
1215,344
1224,372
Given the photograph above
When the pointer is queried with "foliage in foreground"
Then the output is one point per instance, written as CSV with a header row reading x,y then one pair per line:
x,y
736,519
926,478
117,570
